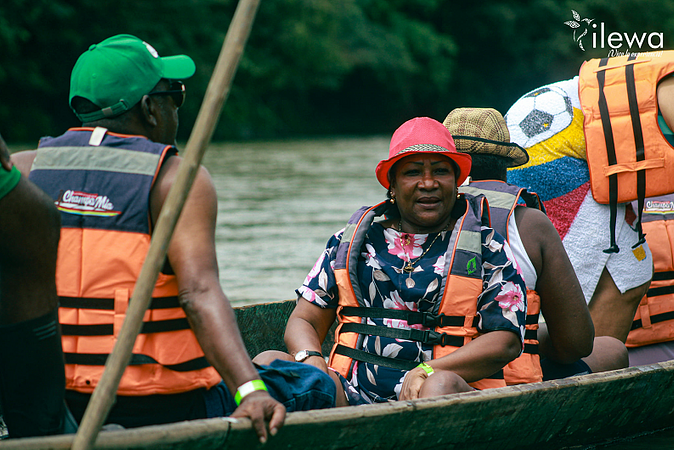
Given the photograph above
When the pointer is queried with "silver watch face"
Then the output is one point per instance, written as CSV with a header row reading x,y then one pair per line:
x,y
301,355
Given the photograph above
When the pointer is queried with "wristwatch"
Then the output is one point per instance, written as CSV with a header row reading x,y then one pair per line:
x,y
304,354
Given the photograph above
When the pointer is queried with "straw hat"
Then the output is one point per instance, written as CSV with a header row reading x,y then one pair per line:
x,y
484,131
422,135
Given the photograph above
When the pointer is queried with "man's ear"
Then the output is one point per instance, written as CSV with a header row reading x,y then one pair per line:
x,y
149,110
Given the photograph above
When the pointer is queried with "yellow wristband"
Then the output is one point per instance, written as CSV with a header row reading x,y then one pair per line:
x,y
248,388
428,369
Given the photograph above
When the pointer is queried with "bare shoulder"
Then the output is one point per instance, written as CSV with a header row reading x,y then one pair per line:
x,y
202,186
24,161
535,222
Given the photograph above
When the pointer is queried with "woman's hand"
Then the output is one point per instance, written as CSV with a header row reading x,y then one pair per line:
x,y
412,383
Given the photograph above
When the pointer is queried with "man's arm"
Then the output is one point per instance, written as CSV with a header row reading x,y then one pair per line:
x,y
570,330
192,256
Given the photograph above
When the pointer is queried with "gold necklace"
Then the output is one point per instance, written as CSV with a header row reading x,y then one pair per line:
x,y
408,267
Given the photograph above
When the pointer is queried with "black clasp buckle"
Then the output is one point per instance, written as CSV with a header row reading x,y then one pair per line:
x,y
431,320
435,338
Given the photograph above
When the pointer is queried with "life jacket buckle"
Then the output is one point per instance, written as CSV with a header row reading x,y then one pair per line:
x,y
431,320
435,338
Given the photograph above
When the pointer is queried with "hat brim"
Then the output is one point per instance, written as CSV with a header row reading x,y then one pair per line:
x,y
178,67
512,152
463,160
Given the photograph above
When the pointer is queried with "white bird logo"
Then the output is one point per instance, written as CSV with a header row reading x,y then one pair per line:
x,y
576,24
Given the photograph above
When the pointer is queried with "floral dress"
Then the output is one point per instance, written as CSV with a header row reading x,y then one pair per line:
x,y
384,284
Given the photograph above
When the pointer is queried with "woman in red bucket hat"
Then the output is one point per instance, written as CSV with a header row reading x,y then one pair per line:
x,y
428,297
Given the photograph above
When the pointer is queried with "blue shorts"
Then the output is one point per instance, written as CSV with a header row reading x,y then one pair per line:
x,y
554,371
299,386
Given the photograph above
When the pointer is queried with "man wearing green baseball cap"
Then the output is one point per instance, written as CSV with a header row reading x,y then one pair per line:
x,y
110,178
115,75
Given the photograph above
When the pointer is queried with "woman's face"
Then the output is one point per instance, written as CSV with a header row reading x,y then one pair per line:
x,y
424,187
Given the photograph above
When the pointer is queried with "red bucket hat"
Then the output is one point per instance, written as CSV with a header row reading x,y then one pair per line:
x,y
422,135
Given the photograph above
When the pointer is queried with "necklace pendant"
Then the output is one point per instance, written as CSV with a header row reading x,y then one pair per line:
x,y
409,283
408,267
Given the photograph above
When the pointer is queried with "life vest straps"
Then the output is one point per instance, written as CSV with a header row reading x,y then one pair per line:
x,y
363,356
108,304
99,359
611,153
656,292
638,143
427,319
430,337
107,329
532,200
399,364
662,276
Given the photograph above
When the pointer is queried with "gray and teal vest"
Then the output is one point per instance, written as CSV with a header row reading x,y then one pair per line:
x,y
101,183
503,199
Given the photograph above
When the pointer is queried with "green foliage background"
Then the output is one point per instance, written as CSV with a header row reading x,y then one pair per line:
x,y
314,67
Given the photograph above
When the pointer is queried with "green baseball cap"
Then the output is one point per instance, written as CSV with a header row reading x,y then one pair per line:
x,y
116,73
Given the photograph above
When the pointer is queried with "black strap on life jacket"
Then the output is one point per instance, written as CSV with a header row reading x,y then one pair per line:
x,y
99,359
663,276
426,319
638,143
655,292
610,149
108,304
362,356
429,337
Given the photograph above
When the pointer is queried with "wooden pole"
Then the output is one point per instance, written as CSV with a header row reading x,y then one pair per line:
x,y
218,88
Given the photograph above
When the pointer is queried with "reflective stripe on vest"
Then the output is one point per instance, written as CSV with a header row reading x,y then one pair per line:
x,y
103,194
460,286
628,157
654,318
502,198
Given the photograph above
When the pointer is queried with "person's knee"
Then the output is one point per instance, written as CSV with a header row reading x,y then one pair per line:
x,y
265,358
443,382
609,354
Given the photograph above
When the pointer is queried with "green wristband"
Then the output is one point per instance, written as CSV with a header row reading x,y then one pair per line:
x,y
428,369
248,388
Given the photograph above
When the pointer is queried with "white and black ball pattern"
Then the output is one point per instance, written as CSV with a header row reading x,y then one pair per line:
x,y
538,115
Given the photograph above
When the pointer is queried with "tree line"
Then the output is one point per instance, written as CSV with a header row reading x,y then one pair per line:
x,y
322,67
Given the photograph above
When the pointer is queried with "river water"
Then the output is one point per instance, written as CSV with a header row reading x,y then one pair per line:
x,y
280,201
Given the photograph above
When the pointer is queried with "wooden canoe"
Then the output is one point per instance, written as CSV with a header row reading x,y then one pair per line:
x,y
573,412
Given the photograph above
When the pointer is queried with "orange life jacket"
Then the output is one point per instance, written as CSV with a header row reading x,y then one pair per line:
x,y
452,325
654,319
503,199
101,182
628,156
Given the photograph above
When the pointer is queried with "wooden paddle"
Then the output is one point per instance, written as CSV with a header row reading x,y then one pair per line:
x,y
103,397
